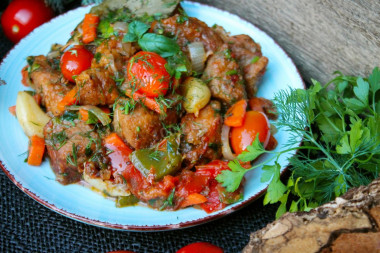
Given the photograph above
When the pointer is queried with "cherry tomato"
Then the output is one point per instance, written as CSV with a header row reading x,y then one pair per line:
x,y
243,136
146,71
74,61
200,247
22,16
121,251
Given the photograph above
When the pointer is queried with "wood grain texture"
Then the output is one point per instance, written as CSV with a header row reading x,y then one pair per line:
x,y
321,36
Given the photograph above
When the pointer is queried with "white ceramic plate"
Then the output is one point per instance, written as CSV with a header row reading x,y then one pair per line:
x,y
84,205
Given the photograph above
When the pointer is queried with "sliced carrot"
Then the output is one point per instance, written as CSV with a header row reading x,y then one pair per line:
x,y
235,114
193,199
115,143
36,150
83,114
12,110
90,23
69,99
151,103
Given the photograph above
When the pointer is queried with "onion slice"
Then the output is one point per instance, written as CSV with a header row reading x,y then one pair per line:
x,y
197,56
120,26
102,116
226,148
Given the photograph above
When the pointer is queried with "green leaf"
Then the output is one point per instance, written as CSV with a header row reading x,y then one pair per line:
x,y
136,30
356,133
361,90
159,44
340,186
344,146
276,188
253,151
354,104
342,86
282,208
374,79
231,179
293,207
330,128
268,171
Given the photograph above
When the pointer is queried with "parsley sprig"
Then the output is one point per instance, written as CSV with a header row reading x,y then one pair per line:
x,y
340,127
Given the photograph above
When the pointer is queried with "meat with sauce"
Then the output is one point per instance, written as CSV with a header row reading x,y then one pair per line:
x,y
223,76
112,55
249,56
140,127
49,83
202,135
96,87
69,144
190,30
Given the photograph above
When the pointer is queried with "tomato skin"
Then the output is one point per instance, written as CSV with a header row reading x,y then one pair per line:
x,y
74,61
22,16
243,136
200,247
146,71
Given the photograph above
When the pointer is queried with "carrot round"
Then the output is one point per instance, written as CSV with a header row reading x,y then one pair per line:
x,y
69,99
36,150
89,26
193,199
235,114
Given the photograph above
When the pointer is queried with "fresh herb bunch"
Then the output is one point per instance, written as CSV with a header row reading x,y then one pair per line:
x,y
340,127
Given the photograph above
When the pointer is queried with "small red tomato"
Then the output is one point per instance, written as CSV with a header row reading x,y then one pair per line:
x,y
121,251
74,61
147,73
243,136
22,16
200,247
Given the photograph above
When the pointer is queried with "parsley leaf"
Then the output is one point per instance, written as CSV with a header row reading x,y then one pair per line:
x,y
231,178
253,151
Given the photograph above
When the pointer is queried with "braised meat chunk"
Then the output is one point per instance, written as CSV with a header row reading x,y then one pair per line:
x,y
202,135
224,78
69,144
249,56
190,30
112,54
139,126
96,87
48,83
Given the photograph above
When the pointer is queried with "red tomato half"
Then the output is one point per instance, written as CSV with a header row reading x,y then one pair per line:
x,y
200,247
75,61
243,136
147,73
22,16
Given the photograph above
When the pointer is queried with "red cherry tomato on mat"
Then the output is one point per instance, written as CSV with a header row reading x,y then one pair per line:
x,y
254,123
74,61
147,73
200,247
22,16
